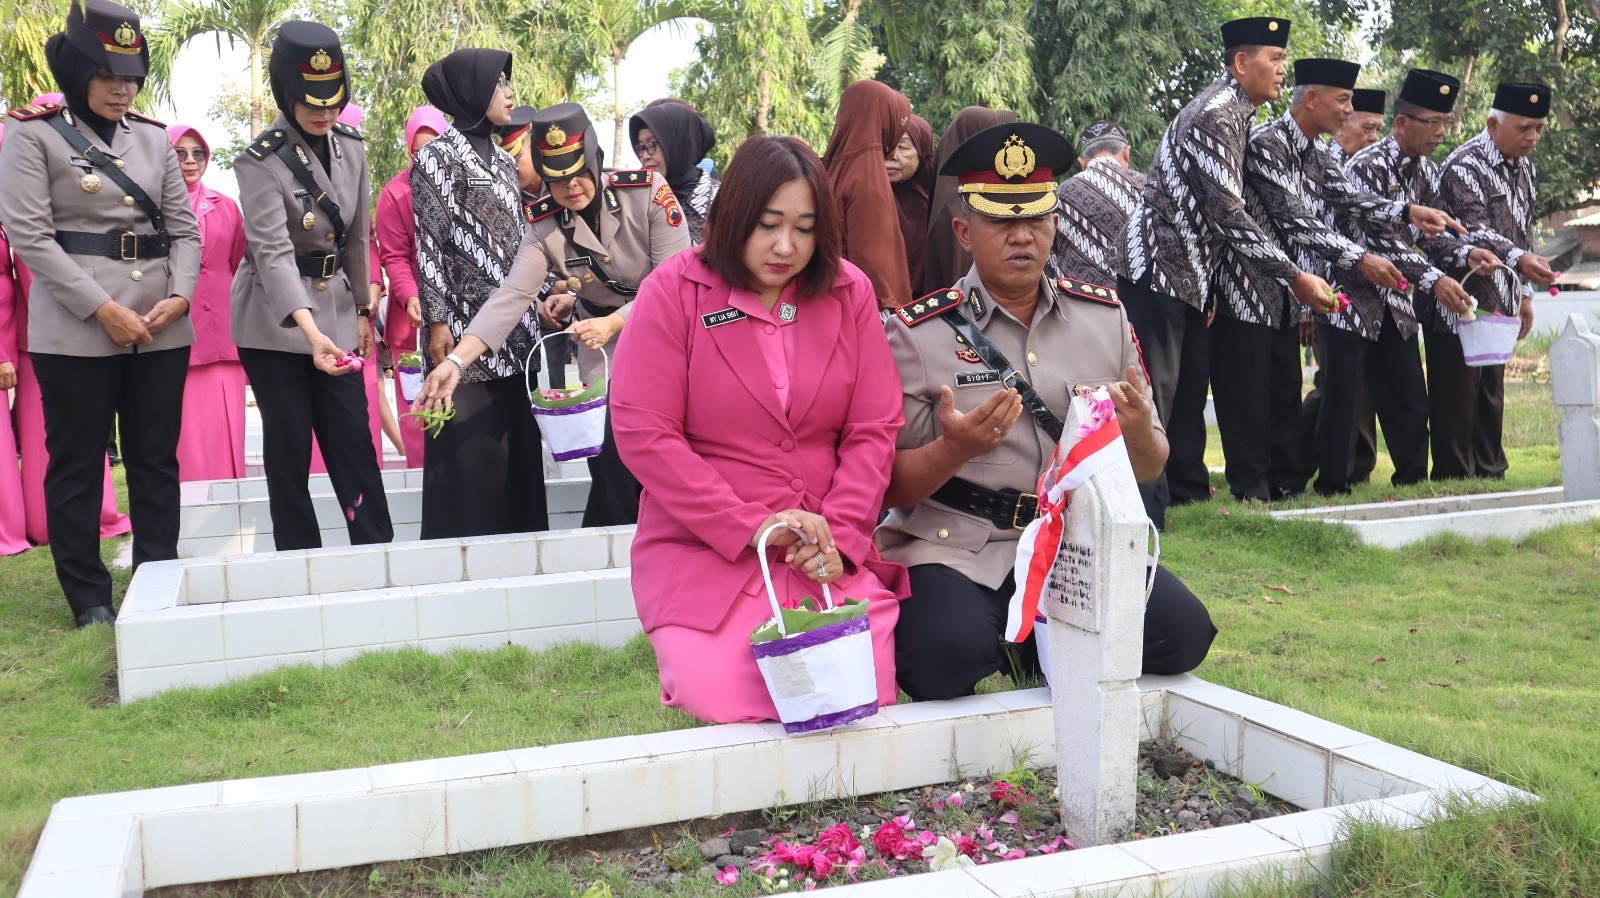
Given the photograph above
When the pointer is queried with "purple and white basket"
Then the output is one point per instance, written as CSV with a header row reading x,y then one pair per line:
x,y
820,678
573,427
1489,339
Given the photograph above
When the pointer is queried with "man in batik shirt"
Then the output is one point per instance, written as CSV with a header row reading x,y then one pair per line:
x,y
1095,205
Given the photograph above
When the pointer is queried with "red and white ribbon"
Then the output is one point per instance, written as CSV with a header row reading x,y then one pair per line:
x,y
1036,550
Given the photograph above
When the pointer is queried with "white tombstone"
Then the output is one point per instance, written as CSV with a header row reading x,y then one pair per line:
x,y
1094,601
1575,387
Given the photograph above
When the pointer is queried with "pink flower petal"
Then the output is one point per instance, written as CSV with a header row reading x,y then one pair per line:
x,y
1009,818
1016,854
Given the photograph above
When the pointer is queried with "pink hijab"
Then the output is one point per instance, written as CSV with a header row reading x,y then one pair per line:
x,y
54,97
176,133
353,115
424,117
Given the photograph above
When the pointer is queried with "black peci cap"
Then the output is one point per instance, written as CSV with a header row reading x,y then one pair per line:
x,y
308,67
1368,99
564,143
1008,171
110,35
1430,90
1518,98
1263,31
1326,73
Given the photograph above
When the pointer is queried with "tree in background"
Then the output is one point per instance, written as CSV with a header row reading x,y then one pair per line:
x,y
962,53
250,22
27,25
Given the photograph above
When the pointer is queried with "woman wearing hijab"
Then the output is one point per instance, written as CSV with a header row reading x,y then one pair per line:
x,y
13,518
301,312
910,169
945,261
484,473
872,117
600,235
670,138
30,419
397,248
95,204
211,446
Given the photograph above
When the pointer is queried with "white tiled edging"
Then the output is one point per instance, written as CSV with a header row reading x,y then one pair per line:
x,y
231,517
121,844
205,622
1509,515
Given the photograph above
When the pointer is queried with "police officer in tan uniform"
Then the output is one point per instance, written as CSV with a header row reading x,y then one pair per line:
x,y
96,206
300,299
600,235
988,366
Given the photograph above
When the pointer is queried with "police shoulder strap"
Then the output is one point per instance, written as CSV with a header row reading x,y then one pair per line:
x,y
1009,375
299,165
111,167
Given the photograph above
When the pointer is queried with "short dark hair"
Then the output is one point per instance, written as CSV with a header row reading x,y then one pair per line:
x,y
1409,109
760,166
1249,50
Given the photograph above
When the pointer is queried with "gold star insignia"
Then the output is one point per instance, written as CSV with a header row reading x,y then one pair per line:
x,y
919,308
932,303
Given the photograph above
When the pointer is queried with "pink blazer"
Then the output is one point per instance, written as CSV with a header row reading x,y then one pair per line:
x,y
221,249
10,298
396,228
698,421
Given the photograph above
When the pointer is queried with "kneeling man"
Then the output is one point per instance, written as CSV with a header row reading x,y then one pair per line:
x,y
989,365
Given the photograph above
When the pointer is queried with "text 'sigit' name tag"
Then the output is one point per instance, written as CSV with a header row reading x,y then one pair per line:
x,y
974,378
722,317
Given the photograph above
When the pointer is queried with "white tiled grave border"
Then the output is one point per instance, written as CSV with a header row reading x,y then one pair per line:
x,y
232,517
204,622
121,844
1509,515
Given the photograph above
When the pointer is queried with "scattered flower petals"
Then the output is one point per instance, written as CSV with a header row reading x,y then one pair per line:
x,y
727,876
944,856
1009,818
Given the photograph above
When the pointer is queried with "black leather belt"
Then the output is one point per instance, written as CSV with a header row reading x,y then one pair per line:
x,y
319,265
126,247
1009,509
594,309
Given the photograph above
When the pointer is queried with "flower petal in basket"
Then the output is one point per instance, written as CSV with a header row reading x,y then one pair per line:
x,y
802,620
596,390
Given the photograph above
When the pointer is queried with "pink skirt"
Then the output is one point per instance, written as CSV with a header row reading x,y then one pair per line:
x,y
13,518
30,442
211,444
713,675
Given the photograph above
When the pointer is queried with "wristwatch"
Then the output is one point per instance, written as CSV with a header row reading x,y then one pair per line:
x,y
452,357
364,311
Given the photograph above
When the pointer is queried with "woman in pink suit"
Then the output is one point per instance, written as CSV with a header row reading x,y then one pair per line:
x,y
13,520
211,444
754,385
396,229
30,423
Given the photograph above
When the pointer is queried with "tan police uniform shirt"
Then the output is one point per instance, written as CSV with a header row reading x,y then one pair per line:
x,y
268,287
641,226
42,191
1078,337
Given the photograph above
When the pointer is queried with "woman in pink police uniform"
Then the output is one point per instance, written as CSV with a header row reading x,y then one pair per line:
x,y
754,385
211,444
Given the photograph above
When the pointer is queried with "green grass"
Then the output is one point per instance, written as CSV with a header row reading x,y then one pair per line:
x,y
1488,661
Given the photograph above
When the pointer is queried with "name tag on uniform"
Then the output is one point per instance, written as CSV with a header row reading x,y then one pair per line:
x,y
722,317
579,262
480,182
1395,189
80,162
974,378
1497,197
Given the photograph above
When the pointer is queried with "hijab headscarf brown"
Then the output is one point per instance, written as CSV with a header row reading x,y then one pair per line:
x,y
872,116
944,261
913,196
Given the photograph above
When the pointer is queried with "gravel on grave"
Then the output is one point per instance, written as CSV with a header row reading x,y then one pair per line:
x,y
1178,793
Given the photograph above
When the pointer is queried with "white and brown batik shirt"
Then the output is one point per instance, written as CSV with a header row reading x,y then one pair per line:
x,y
1493,198
1193,202
1094,210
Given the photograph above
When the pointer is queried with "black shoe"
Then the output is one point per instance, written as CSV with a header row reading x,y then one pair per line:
x,y
114,458
99,614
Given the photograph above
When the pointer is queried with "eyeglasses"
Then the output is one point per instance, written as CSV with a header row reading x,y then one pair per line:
x,y
503,84
644,148
197,154
1433,123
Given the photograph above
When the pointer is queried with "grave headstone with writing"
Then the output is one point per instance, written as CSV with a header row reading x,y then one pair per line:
x,y
1094,601
1575,387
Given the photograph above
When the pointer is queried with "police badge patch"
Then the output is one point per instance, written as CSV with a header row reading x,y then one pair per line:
x,y
666,199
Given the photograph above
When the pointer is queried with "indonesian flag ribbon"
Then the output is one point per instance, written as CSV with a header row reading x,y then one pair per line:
x,y
1036,550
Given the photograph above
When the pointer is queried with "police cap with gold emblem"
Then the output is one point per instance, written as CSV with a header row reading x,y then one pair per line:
x,y
1256,31
1009,171
564,143
513,134
1431,90
110,36
308,67
1517,98
1368,99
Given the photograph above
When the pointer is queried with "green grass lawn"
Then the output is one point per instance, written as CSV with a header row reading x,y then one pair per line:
x,y
1482,655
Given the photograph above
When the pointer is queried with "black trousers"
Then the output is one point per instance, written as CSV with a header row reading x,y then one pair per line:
x,y
1175,343
1466,409
1255,380
951,630
81,397
295,401
1366,452
613,490
484,474
1392,369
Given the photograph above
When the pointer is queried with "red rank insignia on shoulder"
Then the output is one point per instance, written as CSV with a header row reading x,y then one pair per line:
x,y
931,306
1091,292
